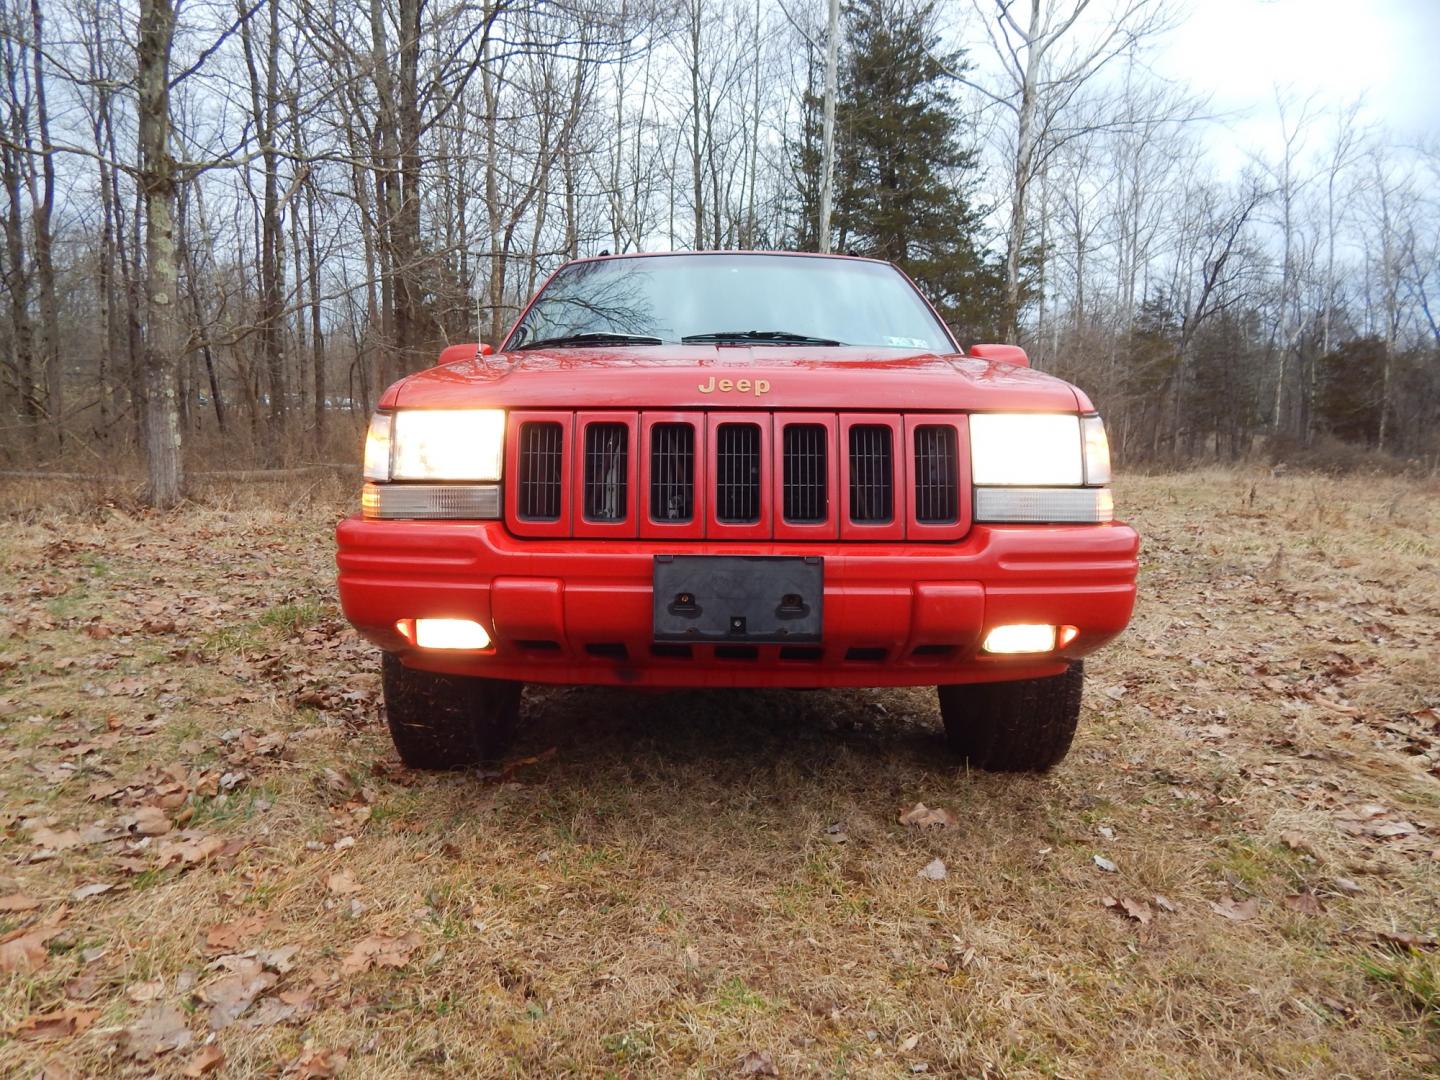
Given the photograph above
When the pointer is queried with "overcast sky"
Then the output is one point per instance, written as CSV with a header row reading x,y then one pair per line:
x,y
1238,51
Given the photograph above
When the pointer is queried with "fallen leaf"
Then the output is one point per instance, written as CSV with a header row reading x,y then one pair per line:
x,y
924,817
342,883
56,841
910,1043
934,870
1345,885
380,951
757,1063
1238,910
1105,864
313,1064
142,992
24,949
98,888
18,902
1305,902
230,995
62,1024
234,935
1404,939
205,1062
160,1030
189,852
149,821
1164,903
1296,842
1133,909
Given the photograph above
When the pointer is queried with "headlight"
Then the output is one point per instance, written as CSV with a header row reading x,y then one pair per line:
x,y
1040,468
1026,448
436,444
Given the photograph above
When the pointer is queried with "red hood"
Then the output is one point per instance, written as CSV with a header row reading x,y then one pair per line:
x,y
673,376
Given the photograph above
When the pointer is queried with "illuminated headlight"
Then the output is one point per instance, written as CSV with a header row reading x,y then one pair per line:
x,y
1037,449
435,444
1040,468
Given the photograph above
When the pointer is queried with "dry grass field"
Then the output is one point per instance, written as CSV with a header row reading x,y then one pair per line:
x,y
211,862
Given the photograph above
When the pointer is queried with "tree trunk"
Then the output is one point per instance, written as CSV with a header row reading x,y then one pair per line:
x,y
164,332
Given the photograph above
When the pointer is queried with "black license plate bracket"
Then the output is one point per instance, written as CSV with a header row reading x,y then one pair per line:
x,y
746,599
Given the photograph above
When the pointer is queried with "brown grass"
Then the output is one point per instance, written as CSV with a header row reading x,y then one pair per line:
x,y
663,894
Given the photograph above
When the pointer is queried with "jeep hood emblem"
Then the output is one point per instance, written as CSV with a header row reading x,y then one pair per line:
x,y
736,386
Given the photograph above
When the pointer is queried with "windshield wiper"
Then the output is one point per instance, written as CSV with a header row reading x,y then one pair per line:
x,y
766,337
601,338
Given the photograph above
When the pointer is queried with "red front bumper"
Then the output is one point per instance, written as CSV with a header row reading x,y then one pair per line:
x,y
580,611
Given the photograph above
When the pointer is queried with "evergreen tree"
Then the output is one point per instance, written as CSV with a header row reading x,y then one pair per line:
x,y
903,174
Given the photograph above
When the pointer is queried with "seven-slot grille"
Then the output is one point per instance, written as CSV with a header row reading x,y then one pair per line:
x,y
605,464
737,474
705,474
541,447
806,500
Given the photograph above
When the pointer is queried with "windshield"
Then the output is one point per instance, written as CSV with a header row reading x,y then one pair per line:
x,y
719,298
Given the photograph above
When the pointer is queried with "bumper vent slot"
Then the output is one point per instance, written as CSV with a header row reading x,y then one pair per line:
x,y
541,455
937,496
672,472
872,475
805,497
737,474
606,453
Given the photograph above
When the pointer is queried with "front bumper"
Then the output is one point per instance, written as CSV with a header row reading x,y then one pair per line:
x,y
580,611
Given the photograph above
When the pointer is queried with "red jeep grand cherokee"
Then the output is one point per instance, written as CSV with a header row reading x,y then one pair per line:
x,y
735,469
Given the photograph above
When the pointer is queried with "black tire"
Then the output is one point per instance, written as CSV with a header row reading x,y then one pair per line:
x,y
447,721
1021,726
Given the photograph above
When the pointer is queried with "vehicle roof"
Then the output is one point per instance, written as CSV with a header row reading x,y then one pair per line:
x,y
728,251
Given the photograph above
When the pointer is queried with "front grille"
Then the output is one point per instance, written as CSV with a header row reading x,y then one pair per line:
x,y
672,472
541,454
737,474
872,495
806,501
715,475
937,496
606,452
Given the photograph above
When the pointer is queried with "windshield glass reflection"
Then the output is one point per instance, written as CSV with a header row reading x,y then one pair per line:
x,y
792,297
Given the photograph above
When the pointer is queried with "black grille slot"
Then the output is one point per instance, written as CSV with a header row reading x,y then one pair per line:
x,y
606,452
672,472
937,497
541,449
806,499
872,495
737,474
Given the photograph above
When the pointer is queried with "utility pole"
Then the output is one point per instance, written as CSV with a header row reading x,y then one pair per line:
x,y
827,164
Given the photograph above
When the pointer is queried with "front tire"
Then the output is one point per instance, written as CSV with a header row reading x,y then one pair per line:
x,y
1021,726
447,721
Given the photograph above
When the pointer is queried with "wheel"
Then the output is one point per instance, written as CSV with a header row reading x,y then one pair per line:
x,y
447,721
1020,726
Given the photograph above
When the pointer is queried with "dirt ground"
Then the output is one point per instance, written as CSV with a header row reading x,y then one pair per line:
x,y
212,863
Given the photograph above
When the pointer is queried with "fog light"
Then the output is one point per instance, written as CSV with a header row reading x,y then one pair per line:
x,y
450,634
1020,638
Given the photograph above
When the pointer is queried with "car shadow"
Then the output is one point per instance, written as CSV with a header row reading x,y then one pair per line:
x,y
808,730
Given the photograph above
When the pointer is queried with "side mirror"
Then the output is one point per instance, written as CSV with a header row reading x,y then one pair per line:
x,y
1003,354
453,354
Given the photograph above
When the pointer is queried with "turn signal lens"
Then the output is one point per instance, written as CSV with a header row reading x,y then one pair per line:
x,y
1020,638
450,634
